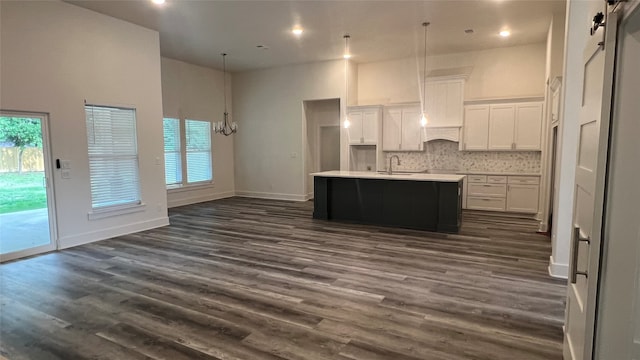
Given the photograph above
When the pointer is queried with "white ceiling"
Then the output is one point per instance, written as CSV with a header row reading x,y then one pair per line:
x,y
198,31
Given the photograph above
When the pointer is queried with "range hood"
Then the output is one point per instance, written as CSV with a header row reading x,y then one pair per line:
x,y
451,133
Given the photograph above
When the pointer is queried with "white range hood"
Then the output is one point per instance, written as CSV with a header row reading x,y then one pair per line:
x,y
451,133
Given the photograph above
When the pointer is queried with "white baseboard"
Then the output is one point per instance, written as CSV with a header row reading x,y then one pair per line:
x,y
271,196
309,196
188,200
93,236
543,227
558,270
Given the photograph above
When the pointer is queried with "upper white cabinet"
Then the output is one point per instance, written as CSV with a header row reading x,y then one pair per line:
x,y
528,129
401,130
504,126
501,127
445,102
365,122
476,127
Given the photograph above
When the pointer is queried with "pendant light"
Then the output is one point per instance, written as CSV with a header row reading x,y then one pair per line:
x,y
346,56
224,127
425,118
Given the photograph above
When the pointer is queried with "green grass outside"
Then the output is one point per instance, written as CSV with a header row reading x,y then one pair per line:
x,y
20,192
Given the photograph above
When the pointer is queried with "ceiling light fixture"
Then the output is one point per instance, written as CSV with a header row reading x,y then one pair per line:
x,y
425,118
347,52
346,56
158,2
224,127
297,31
505,33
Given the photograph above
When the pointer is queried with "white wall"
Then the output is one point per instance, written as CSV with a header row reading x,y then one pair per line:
x,y
54,56
196,92
268,106
492,76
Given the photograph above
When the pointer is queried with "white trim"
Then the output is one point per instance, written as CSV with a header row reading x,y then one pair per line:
x,y
271,196
309,196
101,213
558,270
27,252
199,198
93,236
186,188
533,98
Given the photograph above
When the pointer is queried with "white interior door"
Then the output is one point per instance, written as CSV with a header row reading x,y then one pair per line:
x,y
598,66
618,319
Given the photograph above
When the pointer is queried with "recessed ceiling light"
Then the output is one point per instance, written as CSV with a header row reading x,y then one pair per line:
x,y
158,2
505,33
347,56
297,31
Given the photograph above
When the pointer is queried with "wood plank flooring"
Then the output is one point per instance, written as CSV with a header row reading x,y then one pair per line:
x,y
260,279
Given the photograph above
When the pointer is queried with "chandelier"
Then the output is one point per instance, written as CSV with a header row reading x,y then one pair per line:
x,y
224,127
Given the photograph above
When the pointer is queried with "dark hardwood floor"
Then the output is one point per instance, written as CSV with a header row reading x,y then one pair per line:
x,y
260,279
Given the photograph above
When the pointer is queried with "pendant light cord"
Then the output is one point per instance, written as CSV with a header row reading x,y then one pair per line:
x,y
424,70
224,81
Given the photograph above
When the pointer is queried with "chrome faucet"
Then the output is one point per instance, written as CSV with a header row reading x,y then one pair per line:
x,y
390,170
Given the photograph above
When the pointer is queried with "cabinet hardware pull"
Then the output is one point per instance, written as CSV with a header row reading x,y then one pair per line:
x,y
577,239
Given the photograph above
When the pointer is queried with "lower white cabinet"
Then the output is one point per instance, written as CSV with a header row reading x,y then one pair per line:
x,y
502,193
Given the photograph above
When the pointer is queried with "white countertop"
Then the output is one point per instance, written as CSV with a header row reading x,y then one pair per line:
x,y
395,176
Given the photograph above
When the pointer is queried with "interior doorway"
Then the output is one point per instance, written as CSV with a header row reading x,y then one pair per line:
x,y
27,220
322,145
329,147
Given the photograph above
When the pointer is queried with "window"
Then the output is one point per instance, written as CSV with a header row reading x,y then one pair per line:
x,y
113,156
172,153
187,142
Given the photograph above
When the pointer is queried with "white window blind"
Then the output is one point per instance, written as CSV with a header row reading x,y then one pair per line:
x,y
113,156
172,152
198,149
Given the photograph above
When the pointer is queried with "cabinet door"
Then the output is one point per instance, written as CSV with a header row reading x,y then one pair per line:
x,y
501,127
370,126
391,127
522,198
476,127
528,131
355,129
411,129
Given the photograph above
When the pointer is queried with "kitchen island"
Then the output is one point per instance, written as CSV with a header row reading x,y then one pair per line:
x,y
410,200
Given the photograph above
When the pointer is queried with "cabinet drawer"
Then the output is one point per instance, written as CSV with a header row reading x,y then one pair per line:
x,y
493,179
527,180
488,190
477,178
486,203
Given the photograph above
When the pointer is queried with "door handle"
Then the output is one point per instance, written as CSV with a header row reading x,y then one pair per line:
x,y
577,239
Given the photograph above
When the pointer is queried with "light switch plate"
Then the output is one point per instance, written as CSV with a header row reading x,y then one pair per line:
x,y
66,174
66,164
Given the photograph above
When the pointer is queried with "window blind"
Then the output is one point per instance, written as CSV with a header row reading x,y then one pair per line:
x,y
172,152
198,150
113,156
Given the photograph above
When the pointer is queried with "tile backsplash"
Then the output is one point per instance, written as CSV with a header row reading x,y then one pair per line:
x,y
444,155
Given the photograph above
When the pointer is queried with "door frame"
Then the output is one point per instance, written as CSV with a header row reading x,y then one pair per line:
x,y
50,188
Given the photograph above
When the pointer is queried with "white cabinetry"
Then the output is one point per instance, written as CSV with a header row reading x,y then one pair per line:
x,y
476,127
503,193
401,130
365,121
504,126
523,193
501,127
528,129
